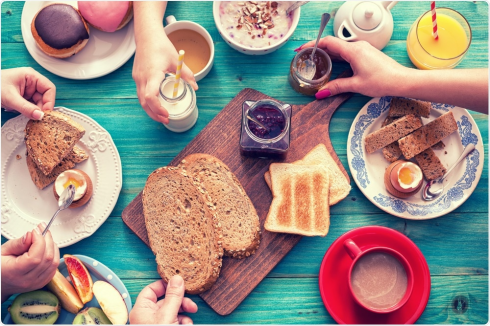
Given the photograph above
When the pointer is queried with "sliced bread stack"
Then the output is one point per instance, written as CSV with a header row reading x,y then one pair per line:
x,y
195,213
403,135
51,147
302,193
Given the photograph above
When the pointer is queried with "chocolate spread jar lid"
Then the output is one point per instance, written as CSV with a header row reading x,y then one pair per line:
x,y
60,26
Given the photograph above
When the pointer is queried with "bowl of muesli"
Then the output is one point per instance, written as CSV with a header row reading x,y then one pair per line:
x,y
255,27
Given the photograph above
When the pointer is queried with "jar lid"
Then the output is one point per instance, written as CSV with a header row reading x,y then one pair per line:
x,y
367,15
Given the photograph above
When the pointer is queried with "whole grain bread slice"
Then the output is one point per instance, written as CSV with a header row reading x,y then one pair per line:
x,y
41,180
392,132
430,164
236,213
427,136
400,107
300,200
51,139
184,232
319,155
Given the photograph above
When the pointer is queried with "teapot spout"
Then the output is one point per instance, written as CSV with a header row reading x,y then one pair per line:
x,y
389,4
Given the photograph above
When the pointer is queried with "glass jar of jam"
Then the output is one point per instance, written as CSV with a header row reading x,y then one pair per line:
x,y
304,85
271,142
182,109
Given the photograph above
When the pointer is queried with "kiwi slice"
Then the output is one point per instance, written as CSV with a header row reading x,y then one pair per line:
x,y
91,316
36,307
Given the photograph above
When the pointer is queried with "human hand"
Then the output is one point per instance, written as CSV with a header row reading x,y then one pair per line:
x,y
27,91
155,56
28,263
375,74
148,310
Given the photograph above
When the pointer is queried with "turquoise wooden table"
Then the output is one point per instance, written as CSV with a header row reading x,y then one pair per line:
x,y
455,245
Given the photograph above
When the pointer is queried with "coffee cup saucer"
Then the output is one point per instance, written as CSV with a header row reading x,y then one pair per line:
x,y
333,278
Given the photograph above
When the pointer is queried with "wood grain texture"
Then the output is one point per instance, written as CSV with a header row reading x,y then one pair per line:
x,y
455,245
220,138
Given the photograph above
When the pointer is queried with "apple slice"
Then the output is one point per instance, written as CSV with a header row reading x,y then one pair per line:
x,y
111,302
69,299
80,277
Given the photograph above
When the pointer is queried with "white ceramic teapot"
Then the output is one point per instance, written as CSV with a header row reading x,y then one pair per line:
x,y
365,21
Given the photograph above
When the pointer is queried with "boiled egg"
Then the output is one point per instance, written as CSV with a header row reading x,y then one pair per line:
x,y
71,177
406,176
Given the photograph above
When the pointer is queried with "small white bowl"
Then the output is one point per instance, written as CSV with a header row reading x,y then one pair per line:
x,y
248,50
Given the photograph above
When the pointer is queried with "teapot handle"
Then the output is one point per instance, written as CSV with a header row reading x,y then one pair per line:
x,y
340,34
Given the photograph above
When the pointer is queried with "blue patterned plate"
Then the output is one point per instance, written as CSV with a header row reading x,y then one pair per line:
x,y
368,169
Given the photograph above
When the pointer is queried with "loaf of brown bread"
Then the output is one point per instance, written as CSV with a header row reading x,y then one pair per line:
x,y
392,132
430,164
41,180
428,135
400,107
51,139
236,213
184,232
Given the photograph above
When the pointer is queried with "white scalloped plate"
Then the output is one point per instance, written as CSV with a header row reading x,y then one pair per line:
x,y
24,206
368,169
104,52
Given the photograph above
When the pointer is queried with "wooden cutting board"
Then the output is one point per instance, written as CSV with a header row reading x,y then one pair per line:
x,y
309,127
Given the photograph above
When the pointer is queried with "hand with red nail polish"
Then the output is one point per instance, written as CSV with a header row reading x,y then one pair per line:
x,y
149,310
374,71
29,262
155,56
27,91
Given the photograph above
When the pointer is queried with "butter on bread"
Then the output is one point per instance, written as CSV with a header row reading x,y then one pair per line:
x,y
51,139
319,155
235,211
300,203
184,232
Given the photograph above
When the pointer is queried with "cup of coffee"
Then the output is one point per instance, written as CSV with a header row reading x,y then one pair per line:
x,y
380,278
195,41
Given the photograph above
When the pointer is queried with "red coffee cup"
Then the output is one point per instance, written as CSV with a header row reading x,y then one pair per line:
x,y
380,278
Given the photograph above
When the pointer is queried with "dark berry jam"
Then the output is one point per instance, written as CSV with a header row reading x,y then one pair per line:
x,y
270,117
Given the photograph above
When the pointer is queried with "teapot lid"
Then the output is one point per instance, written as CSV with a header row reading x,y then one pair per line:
x,y
367,15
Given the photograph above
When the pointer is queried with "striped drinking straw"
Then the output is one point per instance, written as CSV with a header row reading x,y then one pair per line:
x,y
434,19
177,73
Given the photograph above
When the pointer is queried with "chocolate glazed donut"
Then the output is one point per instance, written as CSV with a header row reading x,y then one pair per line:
x,y
59,30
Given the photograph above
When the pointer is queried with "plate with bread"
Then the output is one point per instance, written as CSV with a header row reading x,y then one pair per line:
x,y
40,158
396,145
79,40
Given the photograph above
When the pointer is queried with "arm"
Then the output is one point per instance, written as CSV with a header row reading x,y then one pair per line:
x,y
467,88
155,56
376,74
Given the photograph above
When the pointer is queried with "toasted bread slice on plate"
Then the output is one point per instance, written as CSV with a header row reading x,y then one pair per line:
x,y
319,155
300,203
236,213
184,232
51,139
77,155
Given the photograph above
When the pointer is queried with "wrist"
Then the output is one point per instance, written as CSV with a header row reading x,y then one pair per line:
x,y
408,80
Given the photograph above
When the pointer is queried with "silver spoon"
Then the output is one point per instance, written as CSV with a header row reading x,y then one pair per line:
x,y
64,201
434,188
254,119
295,6
308,68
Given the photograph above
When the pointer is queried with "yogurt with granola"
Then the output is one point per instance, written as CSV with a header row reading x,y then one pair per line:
x,y
255,24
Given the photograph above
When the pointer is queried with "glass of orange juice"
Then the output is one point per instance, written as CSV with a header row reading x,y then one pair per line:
x,y
445,52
